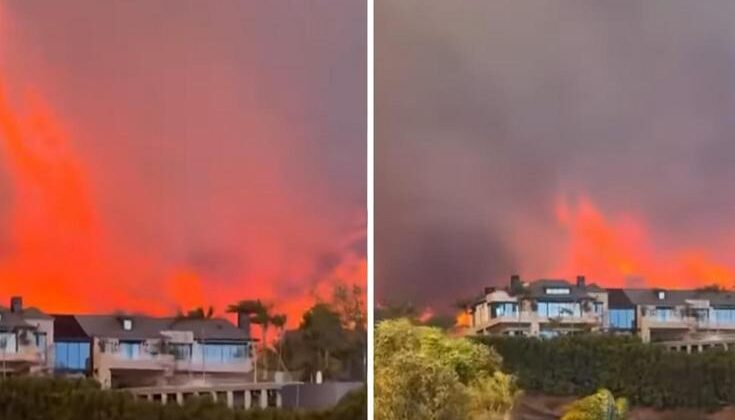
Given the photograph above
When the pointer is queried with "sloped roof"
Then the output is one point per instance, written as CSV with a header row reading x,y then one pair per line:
x,y
10,321
144,327
66,327
210,329
677,297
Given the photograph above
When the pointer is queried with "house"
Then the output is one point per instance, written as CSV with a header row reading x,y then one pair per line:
x,y
683,320
123,351
26,338
544,307
691,319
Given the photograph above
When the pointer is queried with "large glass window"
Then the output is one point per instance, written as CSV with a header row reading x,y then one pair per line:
x,y
224,353
724,316
503,309
622,319
71,355
559,309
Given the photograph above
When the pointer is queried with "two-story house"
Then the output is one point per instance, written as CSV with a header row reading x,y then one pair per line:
x,y
26,338
123,351
675,317
540,308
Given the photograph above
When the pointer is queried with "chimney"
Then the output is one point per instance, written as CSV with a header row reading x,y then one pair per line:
x,y
16,304
515,282
581,282
243,322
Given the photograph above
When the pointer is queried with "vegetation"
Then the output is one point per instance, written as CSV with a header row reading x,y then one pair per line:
x,y
26,398
331,339
599,406
421,373
646,374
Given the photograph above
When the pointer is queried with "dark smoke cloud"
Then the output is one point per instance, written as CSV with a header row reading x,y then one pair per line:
x,y
488,112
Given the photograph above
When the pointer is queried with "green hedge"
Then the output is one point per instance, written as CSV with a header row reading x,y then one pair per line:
x,y
646,374
27,398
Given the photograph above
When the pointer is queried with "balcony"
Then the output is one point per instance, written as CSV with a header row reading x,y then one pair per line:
x,y
237,365
141,361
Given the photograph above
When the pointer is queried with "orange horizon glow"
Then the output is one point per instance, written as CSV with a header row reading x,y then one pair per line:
x,y
62,258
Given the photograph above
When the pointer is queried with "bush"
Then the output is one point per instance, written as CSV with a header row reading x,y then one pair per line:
x,y
421,373
648,375
599,406
33,398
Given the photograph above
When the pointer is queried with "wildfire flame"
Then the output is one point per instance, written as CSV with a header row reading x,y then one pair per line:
x,y
58,252
619,251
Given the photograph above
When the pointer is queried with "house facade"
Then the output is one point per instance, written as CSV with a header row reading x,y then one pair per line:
x,y
26,339
125,351
542,308
684,320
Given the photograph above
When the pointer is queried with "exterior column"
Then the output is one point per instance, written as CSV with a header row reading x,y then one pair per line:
x,y
248,399
164,398
230,399
279,401
149,397
180,398
263,398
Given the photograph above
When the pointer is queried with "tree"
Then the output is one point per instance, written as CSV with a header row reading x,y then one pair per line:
x,y
421,373
279,322
599,406
348,302
256,313
323,334
197,313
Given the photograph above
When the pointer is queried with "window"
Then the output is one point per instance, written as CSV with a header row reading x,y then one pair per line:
x,y
8,342
503,309
559,309
223,353
181,351
127,324
724,316
622,319
71,356
597,308
664,314
130,349
557,291
661,295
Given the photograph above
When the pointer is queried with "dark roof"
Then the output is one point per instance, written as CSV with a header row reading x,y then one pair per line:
x,y
66,327
616,298
144,327
111,326
10,321
31,312
210,329
678,297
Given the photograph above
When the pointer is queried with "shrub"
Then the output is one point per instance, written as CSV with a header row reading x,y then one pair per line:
x,y
34,398
648,375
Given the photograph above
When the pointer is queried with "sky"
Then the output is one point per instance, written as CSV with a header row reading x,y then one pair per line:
x,y
550,140
160,155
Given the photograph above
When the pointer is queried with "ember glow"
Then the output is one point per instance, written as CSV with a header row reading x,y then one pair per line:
x,y
139,175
